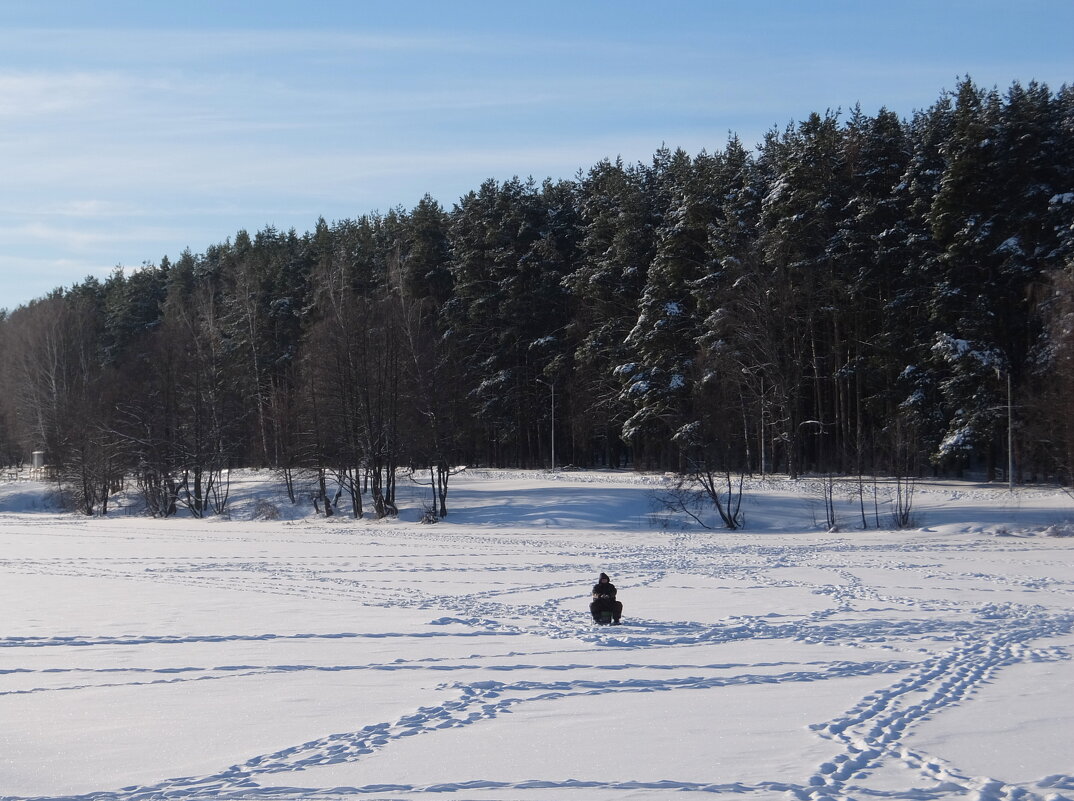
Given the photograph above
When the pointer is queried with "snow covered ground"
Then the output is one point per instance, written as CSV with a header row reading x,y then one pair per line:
x,y
305,657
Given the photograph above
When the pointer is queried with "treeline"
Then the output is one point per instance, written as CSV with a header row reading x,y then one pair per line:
x,y
855,296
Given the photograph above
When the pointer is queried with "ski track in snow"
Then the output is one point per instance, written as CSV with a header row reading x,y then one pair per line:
x,y
962,644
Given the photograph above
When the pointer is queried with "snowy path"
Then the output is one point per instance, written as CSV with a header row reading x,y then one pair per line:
x,y
193,661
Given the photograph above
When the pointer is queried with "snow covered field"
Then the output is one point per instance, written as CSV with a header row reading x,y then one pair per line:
x,y
305,657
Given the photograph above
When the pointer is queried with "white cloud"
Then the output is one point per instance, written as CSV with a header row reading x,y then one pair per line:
x,y
31,94
80,238
84,208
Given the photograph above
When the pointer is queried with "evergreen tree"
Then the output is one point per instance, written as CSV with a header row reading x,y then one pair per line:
x,y
978,304
617,245
909,314
508,263
868,252
663,340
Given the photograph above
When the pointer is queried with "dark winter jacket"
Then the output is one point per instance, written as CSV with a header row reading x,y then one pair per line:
x,y
603,588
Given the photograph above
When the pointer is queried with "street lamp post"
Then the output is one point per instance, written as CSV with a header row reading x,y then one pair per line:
x,y
1010,429
1010,438
552,387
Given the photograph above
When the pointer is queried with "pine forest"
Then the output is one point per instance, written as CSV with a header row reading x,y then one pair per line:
x,y
855,296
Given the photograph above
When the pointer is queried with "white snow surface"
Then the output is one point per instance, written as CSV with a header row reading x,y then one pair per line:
x,y
306,657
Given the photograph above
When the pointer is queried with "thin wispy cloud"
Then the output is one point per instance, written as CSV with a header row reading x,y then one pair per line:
x,y
81,237
37,94
87,208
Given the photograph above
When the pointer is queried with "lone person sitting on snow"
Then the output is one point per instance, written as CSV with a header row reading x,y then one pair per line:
x,y
604,600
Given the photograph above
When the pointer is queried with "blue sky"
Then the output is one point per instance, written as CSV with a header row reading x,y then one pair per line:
x,y
131,130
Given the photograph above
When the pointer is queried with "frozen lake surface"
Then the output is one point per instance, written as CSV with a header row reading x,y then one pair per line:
x,y
333,658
